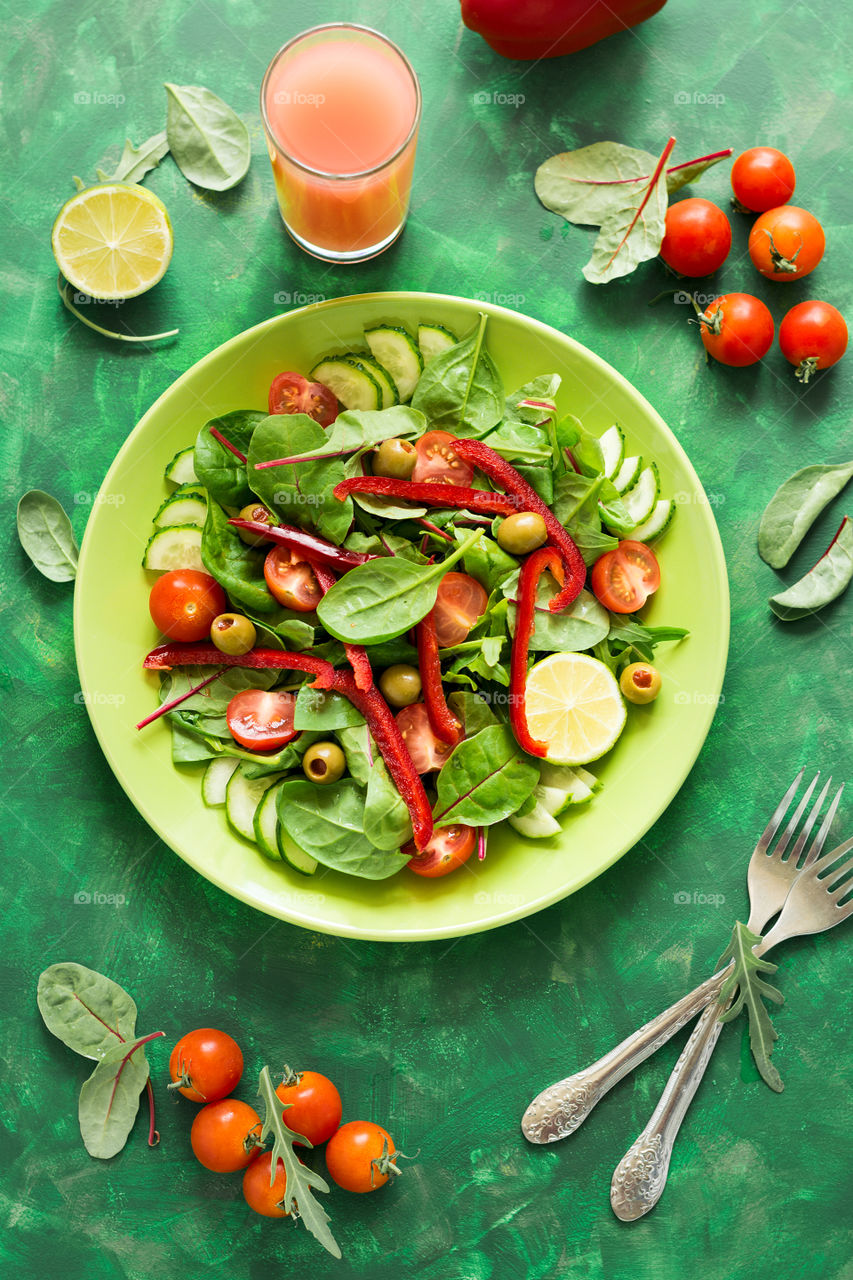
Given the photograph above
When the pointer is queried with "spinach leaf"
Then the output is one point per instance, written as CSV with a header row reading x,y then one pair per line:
x,y
577,628
486,560
283,628
238,567
324,709
135,162
473,710
386,815
544,388
461,390
387,544
521,443
384,598
109,1099
217,468
359,749
300,492
84,1009
485,779
795,506
46,535
214,698
831,576
356,429
208,140
328,823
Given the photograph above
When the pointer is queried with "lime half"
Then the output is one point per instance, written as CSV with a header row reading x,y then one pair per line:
x,y
113,241
574,705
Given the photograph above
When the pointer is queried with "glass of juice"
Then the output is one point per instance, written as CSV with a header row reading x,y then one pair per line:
x,y
341,106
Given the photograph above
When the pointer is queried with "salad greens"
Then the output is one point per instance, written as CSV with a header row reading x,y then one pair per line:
x,y
745,987
795,506
831,576
46,535
209,142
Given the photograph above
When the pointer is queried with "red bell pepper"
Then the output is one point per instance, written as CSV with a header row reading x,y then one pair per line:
x,y
356,653
528,580
311,545
427,494
442,721
166,656
534,29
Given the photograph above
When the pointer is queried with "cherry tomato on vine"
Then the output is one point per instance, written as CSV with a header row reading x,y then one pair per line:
x,y
427,751
448,848
205,1065
736,329
762,178
623,580
360,1156
269,1201
262,719
786,243
459,603
697,237
315,1105
226,1135
184,602
437,461
813,335
291,580
291,393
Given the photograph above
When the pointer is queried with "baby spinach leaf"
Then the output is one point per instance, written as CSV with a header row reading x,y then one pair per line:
x,y
356,429
521,443
579,627
544,388
109,1099
300,492
221,472
328,823
486,560
831,576
324,709
383,598
387,508
484,780
359,750
386,815
208,140
214,698
283,628
84,1009
795,506
461,390
135,162
473,710
46,535
238,567
745,980
387,544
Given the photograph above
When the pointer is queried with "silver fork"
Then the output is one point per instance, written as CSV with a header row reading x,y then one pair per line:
x,y
562,1108
813,905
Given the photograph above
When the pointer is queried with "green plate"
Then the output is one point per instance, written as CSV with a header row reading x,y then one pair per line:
x,y
641,775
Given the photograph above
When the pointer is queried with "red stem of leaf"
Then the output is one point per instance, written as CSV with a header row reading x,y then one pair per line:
x,y
153,1135
226,444
175,702
664,156
433,528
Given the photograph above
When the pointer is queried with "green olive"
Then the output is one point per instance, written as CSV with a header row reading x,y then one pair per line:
x,y
232,633
523,532
324,762
257,512
395,459
640,682
401,685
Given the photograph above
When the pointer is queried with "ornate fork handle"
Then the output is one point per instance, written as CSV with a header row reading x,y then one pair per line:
x,y
561,1108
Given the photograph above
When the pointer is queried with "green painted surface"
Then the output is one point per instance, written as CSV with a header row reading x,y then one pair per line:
x,y
445,1043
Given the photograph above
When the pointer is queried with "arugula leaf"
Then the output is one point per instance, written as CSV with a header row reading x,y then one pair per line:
x,y
484,780
220,471
461,390
300,492
135,162
328,823
46,535
208,140
795,506
746,981
238,567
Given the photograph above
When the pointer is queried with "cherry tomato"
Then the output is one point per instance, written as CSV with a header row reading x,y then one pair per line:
x,y
447,850
315,1105
459,603
813,335
269,1201
697,237
427,751
737,329
786,243
291,580
763,178
184,602
262,719
437,461
291,393
360,1156
226,1135
205,1065
623,580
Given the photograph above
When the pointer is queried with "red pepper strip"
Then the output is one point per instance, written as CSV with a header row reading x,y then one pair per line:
x,y
314,547
433,495
389,740
356,653
166,656
442,720
527,499
528,580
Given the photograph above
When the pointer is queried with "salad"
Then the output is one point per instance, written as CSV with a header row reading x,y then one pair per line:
x,y
400,607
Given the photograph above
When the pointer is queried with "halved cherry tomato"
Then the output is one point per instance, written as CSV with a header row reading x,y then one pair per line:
x,y
315,1105
437,461
291,580
459,603
291,393
427,751
226,1135
184,602
262,719
269,1201
786,243
205,1065
360,1155
447,850
623,580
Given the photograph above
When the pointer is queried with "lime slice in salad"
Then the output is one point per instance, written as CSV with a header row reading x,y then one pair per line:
x,y
113,240
574,705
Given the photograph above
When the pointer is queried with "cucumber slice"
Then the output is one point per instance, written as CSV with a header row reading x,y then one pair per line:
x,y
397,351
613,448
350,380
433,339
215,780
242,797
537,824
628,474
176,547
657,523
640,501
559,787
181,469
181,508
292,854
265,824
387,385
591,781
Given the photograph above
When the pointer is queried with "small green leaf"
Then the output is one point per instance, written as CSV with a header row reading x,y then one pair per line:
x,y
745,987
831,576
461,390
587,184
46,535
238,567
109,1099
220,471
87,1011
795,506
209,141
485,779
135,162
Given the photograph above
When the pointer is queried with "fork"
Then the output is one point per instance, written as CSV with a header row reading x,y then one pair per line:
x,y
561,1108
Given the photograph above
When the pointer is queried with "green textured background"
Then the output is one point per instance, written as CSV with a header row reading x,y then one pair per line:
x,y
444,1042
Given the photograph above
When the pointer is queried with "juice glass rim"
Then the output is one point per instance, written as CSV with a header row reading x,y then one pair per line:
x,y
325,173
